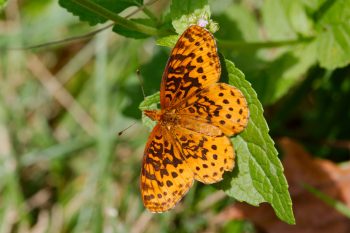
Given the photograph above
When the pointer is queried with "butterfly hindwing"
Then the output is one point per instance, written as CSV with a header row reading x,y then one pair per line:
x,y
165,177
208,156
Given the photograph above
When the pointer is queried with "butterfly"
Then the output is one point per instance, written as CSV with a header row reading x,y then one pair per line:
x,y
196,118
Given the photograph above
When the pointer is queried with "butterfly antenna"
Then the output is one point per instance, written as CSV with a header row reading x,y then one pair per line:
x,y
121,132
141,82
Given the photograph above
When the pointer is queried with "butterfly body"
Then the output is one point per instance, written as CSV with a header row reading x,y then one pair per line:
x,y
165,118
190,140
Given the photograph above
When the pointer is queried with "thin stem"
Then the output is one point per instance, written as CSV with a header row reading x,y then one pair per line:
x,y
87,35
242,45
337,205
61,41
117,19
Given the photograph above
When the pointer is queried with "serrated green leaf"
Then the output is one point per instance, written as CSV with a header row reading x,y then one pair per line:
x,y
131,33
259,175
333,36
84,14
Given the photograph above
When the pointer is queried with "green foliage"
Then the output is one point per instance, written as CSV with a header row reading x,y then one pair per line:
x,y
149,103
292,19
327,24
308,33
180,8
92,18
186,13
132,33
333,33
260,175
237,227
168,41
183,15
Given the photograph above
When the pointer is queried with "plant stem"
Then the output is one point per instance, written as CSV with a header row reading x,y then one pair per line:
x,y
242,45
337,205
93,7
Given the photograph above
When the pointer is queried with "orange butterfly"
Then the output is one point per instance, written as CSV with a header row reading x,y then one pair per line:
x,y
197,115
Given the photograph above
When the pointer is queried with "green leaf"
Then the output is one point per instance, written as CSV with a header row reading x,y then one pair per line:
x,y
185,13
292,19
277,29
334,46
131,33
285,72
333,36
299,20
313,6
258,176
239,16
149,103
84,14
179,8
168,41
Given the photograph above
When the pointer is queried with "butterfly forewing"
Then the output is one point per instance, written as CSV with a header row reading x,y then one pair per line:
x,y
193,64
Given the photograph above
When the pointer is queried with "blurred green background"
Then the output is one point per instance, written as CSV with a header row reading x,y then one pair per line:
x,y
63,166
